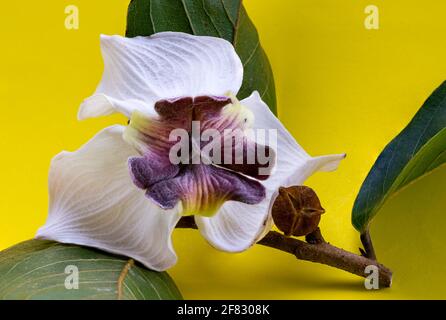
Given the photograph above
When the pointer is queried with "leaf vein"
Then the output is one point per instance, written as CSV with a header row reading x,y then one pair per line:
x,y
188,17
252,53
124,273
210,18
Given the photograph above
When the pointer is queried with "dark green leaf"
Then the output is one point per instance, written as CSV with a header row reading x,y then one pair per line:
x,y
36,269
417,150
226,19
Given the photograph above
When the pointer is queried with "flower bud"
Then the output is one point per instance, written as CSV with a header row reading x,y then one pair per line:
x,y
297,211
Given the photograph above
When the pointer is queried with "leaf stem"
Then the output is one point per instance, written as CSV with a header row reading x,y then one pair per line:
x,y
369,251
323,253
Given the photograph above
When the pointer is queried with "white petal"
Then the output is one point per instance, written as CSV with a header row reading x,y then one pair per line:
x,y
93,202
238,226
294,165
140,71
101,105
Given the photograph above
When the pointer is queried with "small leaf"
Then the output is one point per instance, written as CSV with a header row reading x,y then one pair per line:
x,y
417,150
226,19
36,269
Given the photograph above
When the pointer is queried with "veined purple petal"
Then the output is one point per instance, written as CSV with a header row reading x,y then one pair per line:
x,y
221,114
241,154
149,169
207,108
203,189
176,113
237,151
151,136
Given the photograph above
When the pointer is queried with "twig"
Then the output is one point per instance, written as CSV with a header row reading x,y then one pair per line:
x,y
323,253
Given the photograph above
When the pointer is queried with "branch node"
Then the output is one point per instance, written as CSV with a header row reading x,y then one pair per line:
x,y
315,237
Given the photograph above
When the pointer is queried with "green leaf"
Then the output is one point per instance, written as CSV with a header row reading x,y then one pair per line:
x,y
36,269
418,150
226,19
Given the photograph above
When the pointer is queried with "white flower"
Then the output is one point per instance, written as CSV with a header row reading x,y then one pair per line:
x,y
119,193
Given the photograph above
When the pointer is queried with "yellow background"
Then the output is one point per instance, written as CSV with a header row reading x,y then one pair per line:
x,y
341,88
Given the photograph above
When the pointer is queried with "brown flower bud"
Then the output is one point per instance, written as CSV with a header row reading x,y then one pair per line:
x,y
297,211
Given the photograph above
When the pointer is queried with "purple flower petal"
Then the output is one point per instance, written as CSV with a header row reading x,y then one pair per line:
x,y
237,152
149,169
247,157
175,113
202,189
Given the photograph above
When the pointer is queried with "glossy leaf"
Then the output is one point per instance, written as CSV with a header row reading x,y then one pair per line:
x,y
418,150
37,269
226,19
